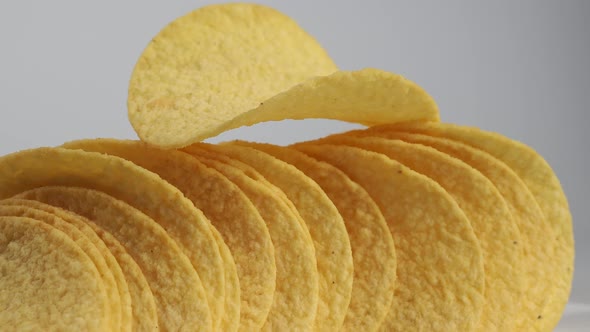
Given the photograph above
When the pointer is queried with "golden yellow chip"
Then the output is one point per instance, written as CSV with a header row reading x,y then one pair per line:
x,y
232,308
209,66
325,224
117,292
227,66
229,210
542,182
296,295
53,284
534,230
139,188
143,307
372,246
440,275
168,271
490,217
369,96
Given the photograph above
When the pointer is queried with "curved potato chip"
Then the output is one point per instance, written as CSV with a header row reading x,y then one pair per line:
x,y
325,224
138,187
229,210
372,245
383,98
542,182
227,66
53,284
168,271
524,209
368,96
143,307
232,308
213,64
143,302
490,217
296,293
440,275
120,315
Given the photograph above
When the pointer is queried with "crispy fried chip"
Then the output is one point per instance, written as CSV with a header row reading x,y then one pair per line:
x,y
168,271
227,66
327,229
381,97
490,217
296,294
233,308
120,315
373,250
440,276
143,307
229,210
209,66
543,183
534,230
53,284
138,187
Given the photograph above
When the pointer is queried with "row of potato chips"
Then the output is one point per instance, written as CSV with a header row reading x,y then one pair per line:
x,y
410,224
416,226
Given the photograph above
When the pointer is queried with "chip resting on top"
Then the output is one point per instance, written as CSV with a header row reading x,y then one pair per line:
x,y
227,66
205,68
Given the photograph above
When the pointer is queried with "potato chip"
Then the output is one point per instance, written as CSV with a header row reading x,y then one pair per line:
x,y
227,66
232,307
325,224
222,202
373,250
143,302
136,186
542,182
120,316
524,209
53,284
440,276
209,66
490,217
168,271
296,294
383,97
143,307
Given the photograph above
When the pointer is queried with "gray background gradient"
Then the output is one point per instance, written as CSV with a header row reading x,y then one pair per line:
x,y
521,68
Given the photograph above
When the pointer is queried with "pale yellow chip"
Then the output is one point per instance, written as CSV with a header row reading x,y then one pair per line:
x,y
48,282
368,96
296,295
227,66
232,308
139,188
143,302
542,182
120,316
217,62
440,274
325,224
490,217
371,242
121,264
168,271
229,210
534,230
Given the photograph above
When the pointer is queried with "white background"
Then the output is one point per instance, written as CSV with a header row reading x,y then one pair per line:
x,y
521,68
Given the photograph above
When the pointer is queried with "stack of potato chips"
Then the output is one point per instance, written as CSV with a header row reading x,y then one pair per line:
x,y
409,224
